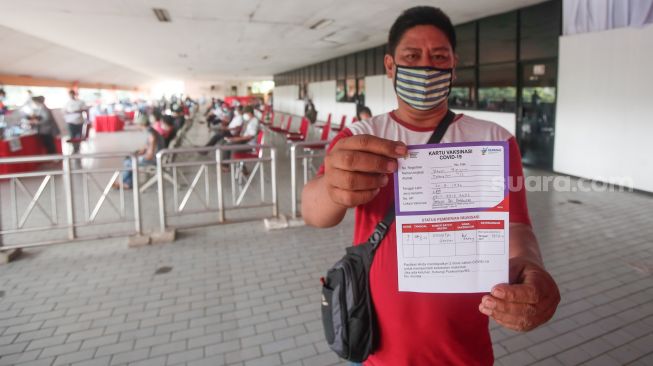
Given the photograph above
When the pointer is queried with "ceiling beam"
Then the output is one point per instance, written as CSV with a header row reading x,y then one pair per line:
x,y
25,80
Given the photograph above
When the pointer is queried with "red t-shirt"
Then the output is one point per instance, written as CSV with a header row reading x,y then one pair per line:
x,y
424,328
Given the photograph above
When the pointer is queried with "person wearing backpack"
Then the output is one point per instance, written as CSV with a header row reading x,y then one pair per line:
x,y
423,328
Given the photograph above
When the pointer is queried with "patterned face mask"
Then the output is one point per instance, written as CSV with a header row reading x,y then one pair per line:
x,y
423,88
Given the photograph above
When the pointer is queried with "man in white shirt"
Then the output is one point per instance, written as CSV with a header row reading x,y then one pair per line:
x,y
248,133
73,115
228,127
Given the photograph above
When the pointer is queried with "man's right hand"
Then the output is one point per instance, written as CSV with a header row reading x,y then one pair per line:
x,y
358,166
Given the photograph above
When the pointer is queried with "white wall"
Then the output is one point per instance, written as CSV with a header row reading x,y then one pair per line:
x,y
604,119
503,119
380,94
285,100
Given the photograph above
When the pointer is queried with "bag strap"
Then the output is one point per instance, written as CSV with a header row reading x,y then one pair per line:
x,y
381,228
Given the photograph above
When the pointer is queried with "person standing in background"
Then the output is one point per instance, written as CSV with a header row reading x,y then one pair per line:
x,y
3,106
74,117
47,129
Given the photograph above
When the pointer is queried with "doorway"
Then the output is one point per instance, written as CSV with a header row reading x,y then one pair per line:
x,y
536,112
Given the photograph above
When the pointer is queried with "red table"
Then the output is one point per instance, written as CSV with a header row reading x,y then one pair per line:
x,y
243,100
29,145
111,123
130,115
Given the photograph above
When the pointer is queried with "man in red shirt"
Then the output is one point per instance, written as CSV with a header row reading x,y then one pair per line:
x,y
423,328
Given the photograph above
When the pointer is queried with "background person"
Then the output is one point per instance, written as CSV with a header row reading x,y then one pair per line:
x,y
42,120
363,113
74,117
3,106
146,156
248,133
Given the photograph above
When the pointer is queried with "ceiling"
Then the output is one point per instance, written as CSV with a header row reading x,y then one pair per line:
x,y
23,54
121,41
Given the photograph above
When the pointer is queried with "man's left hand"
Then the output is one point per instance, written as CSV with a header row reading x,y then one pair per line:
x,y
528,302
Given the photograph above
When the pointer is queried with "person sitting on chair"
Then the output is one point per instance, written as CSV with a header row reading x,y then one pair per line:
x,y
228,128
247,134
146,155
363,113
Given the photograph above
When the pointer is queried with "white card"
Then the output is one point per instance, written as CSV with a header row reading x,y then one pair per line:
x,y
452,217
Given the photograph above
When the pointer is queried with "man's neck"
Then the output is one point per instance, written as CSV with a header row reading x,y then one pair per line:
x,y
422,119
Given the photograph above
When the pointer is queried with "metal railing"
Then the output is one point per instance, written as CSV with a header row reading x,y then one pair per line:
x,y
309,151
72,176
169,169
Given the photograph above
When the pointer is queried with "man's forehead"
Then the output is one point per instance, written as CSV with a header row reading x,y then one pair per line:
x,y
424,35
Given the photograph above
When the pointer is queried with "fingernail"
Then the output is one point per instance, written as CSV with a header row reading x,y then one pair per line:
x,y
384,180
489,303
497,292
401,150
392,166
485,311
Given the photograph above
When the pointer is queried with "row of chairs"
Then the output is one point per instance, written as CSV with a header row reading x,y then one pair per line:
x,y
283,124
150,170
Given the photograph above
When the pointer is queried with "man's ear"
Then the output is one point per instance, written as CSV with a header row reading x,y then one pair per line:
x,y
389,65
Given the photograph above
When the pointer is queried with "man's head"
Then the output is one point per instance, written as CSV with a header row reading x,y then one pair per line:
x,y
421,37
2,93
73,94
248,112
168,122
364,113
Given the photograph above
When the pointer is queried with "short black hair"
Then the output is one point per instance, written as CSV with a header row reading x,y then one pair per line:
x,y
156,112
168,120
2,91
420,15
363,109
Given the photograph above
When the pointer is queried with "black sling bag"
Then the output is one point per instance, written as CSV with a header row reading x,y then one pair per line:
x,y
347,310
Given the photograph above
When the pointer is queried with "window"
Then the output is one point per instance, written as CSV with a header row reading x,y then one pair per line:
x,y
332,70
55,97
341,93
341,68
539,74
303,88
361,92
462,92
539,31
318,72
351,90
498,38
351,66
497,87
466,48
380,54
360,64
370,64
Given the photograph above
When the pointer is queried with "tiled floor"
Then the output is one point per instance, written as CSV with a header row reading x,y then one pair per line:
x,y
238,295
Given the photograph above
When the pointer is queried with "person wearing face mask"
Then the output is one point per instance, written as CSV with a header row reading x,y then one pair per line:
x,y
3,107
228,128
425,328
248,132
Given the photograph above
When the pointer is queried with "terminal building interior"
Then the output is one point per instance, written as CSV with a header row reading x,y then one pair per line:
x,y
154,155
